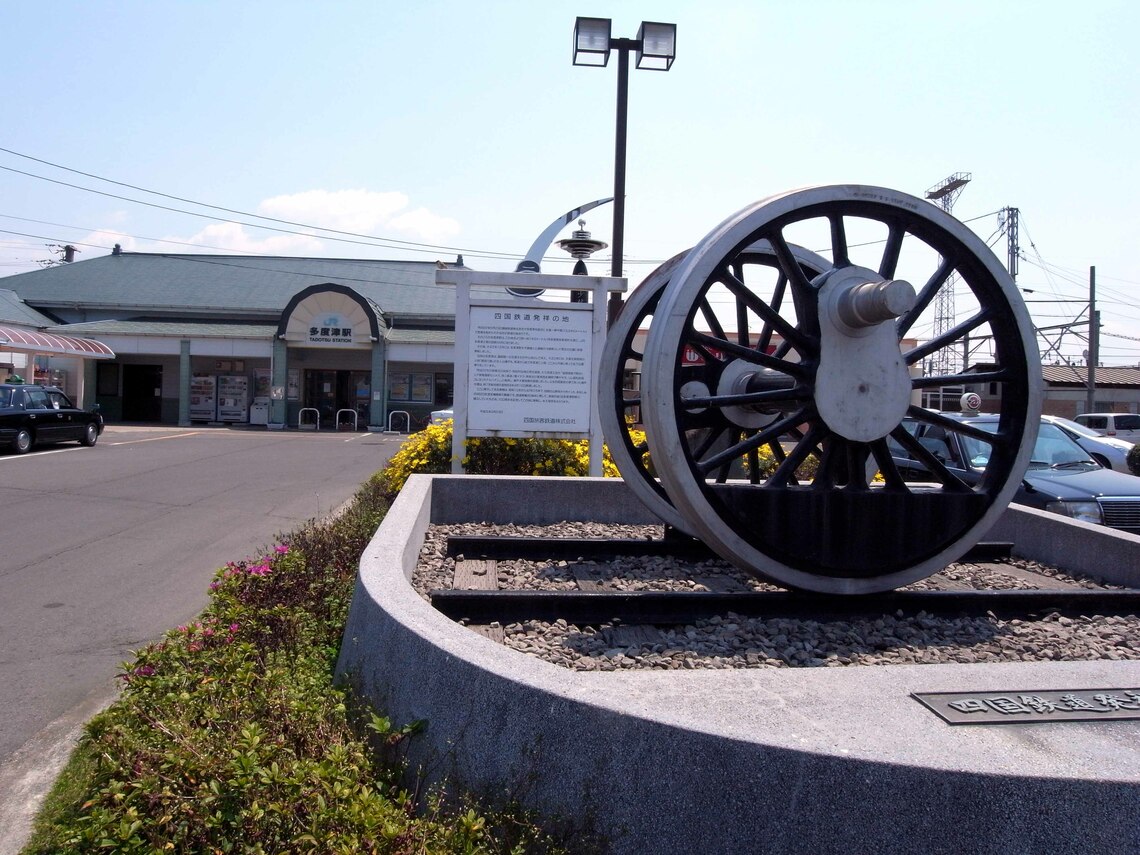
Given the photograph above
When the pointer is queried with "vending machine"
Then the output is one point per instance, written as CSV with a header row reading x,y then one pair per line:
x,y
203,398
233,398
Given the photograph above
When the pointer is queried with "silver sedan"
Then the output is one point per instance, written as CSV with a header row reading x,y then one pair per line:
x,y
1108,451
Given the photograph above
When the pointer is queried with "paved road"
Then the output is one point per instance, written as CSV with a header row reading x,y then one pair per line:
x,y
103,549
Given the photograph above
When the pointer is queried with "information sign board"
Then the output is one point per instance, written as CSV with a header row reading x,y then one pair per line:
x,y
529,368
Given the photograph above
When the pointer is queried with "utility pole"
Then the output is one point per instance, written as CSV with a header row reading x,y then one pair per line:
x,y
1094,342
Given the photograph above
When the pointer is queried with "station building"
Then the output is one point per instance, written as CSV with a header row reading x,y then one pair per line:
x,y
184,339
179,339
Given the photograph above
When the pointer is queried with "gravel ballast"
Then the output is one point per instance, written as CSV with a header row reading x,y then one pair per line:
x,y
735,641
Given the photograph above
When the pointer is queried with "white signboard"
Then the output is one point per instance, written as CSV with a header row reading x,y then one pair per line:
x,y
529,368
329,329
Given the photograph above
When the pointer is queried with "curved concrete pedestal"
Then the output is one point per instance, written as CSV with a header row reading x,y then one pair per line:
x,y
749,760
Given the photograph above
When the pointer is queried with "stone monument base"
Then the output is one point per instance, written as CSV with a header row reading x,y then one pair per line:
x,y
806,760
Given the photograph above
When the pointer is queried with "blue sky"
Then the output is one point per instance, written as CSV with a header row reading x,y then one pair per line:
x,y
465,127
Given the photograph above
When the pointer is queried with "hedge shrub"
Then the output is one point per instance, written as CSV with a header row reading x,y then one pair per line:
x,y
429,452
230,737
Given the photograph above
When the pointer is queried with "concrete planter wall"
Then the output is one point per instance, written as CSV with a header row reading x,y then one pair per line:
x,y
757,760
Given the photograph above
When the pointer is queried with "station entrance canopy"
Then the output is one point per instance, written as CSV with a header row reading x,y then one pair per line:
x,y
31,341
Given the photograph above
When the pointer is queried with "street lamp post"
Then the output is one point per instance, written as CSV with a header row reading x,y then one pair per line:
x,y
656,47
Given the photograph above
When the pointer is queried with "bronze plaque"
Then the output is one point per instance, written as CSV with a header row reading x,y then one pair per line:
x,y
1033,707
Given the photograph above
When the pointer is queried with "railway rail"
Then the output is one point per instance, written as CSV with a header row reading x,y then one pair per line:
x,y
626,598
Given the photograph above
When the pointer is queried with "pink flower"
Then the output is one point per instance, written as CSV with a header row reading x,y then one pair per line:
x,y
259,570
233,627
281,548
145,671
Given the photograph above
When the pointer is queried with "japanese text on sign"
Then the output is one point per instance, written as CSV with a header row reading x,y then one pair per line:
x,y
1034,706
529,370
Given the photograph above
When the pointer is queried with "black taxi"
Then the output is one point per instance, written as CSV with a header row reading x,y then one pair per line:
x,y
39,415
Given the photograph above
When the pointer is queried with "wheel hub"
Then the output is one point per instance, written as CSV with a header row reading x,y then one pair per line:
x,y
862,386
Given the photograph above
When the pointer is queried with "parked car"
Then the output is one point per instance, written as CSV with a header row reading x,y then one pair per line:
x,y
1108,451
1062,477
438,417
1120,425
38,415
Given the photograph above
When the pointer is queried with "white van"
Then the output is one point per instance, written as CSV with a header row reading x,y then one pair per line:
x,y
1121,425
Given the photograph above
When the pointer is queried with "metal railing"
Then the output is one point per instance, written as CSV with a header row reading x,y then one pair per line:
x,y
336,421
316,417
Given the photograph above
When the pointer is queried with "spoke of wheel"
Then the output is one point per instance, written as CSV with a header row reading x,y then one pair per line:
x,y
754,466
928,292
1001,376
710,317
746,398
703,341
950,336
708,442
803,294
856,466
932,418
890,259
839,257
777,298
933,465
745,296
892,478
786,471
629,353
739,449
742,326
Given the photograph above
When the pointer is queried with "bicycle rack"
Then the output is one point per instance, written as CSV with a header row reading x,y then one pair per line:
x,y
316,417
336,424
407,420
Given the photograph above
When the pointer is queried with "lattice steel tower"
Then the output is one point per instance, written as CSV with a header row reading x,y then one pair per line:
x,y
943,362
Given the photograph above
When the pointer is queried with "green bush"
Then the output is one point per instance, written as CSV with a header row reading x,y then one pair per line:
x,y
428,452
230,736
1133,460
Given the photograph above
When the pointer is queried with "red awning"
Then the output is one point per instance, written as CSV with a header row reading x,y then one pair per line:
x,y
31,341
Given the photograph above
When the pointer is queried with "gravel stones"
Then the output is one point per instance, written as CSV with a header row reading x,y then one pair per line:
x,y
735,641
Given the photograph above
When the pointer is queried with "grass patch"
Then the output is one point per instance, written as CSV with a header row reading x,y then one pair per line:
x,y
230,737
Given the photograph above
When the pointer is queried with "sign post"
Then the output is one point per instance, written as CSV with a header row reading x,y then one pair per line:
x,y
527,367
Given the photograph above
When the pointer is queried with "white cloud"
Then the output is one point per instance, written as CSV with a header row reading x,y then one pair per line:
x,y
233,237
362,212
428,226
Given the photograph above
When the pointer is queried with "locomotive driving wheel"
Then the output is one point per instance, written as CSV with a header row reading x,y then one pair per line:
x,y
622,364
777,442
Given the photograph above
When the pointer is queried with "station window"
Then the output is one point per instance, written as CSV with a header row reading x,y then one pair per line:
x,y
415,387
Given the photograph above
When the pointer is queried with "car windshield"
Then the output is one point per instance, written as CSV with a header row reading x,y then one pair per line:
x,y
1075,427
1053,449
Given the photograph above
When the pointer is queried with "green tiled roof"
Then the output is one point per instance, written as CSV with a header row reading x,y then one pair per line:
x,y
13,310
176,329
195,285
